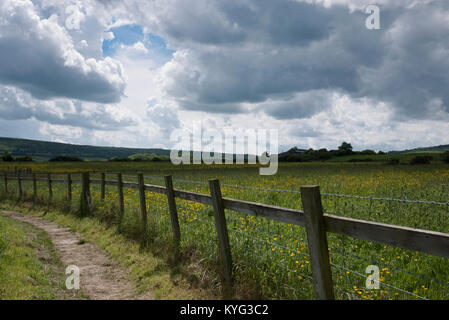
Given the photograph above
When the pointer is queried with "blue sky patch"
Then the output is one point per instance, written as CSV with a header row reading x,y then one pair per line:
x,y
131,34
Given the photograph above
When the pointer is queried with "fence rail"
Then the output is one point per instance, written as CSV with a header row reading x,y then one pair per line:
x,y
316,222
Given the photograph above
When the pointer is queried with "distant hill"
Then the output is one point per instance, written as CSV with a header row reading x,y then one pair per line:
x,y
440,148
292,154
44,150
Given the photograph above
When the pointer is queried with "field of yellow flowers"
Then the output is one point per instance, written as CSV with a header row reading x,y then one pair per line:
x,y
271,259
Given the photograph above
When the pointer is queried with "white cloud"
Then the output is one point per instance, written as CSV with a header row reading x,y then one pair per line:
x,y
39,56
15,104
64,134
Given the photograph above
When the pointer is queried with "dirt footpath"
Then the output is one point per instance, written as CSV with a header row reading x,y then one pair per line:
x,y
101,278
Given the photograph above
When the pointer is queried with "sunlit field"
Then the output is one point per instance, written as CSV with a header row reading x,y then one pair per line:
x,y
271,259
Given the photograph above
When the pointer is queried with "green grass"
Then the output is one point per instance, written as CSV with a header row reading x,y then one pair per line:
x,y
157,274
29,265
270,259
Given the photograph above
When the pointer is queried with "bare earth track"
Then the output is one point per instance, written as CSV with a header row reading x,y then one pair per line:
x,y
101,278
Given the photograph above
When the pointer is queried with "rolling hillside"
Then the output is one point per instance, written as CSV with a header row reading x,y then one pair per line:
x,y
440,148
43,150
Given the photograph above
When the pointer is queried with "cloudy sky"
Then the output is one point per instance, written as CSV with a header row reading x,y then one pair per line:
x,y
128,73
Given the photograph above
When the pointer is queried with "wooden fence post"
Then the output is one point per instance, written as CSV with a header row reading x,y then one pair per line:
x,y
103,185
143,209
86,200
50,190
19,184
173,211
5,175
223,238
317,241
34,187
69,187
121,201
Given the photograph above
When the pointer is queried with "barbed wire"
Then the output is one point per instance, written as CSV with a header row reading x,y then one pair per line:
x,y
389,266
291,288
323,193
384,199
295,272
273,244
340,251
380,282
305,276
236,222
334,264
299,192
296,251
152,201
347,292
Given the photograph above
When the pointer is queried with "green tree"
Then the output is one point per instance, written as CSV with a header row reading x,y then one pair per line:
x,y
345,147
8,158
445,157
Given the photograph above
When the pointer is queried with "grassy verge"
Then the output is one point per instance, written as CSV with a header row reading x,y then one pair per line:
x,y
158,274
29,265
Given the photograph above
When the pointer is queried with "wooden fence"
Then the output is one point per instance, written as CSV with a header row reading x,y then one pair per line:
x,y
316,222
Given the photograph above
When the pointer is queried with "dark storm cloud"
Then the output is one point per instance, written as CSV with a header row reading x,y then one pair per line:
x,y
279,22
209,77
257,51
229,108
290,47
303,105
40,71
414,77
233,22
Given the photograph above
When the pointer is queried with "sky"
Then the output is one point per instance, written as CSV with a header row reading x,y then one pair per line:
x,y
129,73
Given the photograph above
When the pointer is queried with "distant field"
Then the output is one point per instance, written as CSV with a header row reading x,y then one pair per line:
x,y
402,157
271,259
